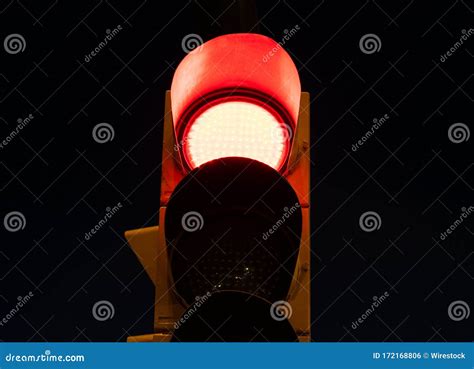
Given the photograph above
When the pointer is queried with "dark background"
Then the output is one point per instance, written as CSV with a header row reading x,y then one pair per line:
x,y
410,173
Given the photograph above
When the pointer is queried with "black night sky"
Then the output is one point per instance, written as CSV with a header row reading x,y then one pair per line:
x,y
411,172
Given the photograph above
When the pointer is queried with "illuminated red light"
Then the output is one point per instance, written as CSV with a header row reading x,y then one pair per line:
x,y
236,128
229,98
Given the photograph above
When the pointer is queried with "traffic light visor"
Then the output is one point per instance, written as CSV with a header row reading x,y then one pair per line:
x,y
236,95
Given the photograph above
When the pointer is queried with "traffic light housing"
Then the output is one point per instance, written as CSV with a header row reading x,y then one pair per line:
x,y
233,234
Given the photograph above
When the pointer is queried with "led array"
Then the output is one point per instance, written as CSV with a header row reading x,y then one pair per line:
x,y
237,128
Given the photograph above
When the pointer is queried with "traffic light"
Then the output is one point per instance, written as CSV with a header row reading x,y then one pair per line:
x,y
230,256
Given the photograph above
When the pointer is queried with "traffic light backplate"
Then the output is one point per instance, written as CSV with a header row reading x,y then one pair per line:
x,y
150,247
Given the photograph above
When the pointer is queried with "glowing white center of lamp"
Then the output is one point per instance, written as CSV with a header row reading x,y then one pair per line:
x,y
237,128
